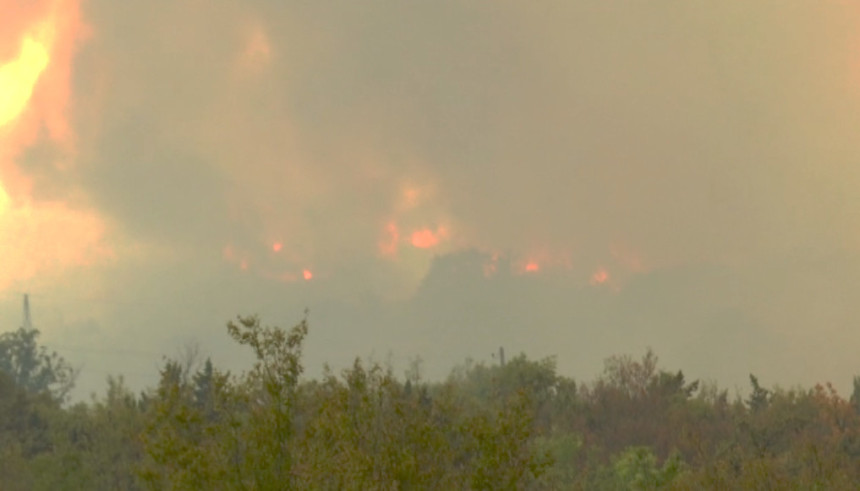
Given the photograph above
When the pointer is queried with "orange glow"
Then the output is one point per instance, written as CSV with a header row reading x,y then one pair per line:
x,y
228,253
18,78
388,246
599,277
4,201
424,238
36,237
307,274
277,246
51,236
257,50
532,266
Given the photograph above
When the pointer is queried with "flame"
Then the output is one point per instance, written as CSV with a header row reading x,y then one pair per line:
x,y
532,266
424,238
307,274
39,237
18,78
276,247
599,277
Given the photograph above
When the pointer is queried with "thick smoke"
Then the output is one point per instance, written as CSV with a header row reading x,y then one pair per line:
x,y
702,156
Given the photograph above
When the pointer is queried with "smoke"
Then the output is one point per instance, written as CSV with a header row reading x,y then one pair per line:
x,y
577,177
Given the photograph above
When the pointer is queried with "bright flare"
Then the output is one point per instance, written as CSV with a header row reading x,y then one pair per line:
x,y
18,78
424,238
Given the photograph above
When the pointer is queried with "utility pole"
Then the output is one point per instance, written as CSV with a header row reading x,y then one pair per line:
x,y
28,324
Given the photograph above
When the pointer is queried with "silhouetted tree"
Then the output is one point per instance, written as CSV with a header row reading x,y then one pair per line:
x,y
32,367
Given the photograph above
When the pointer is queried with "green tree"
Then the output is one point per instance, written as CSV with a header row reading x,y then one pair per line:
x,y
32,366
759,397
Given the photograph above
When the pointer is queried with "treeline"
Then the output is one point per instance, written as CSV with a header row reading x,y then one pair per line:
x,y
519,425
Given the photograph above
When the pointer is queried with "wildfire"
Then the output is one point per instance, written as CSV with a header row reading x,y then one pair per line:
x,y
424,238
532,266
37,236
18,78
599,277
307,274
277,246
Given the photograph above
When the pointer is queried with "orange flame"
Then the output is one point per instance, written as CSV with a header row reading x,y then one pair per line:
x,y
307,274
34,94
532,266
18,78
424,238
599,277
276,247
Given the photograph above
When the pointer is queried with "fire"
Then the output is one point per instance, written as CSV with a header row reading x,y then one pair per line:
x,y
18,78
599,277
35,85
277,246
532,266
307,274
424,238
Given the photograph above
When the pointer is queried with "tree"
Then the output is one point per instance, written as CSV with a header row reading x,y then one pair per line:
x,y
760,397
32,367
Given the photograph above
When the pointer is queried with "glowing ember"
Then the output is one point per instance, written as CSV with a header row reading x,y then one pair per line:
x,y
18,77
277,246
532,266
307,274
599,277
425,238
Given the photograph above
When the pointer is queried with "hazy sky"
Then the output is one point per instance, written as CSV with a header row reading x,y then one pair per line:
x,y
577,179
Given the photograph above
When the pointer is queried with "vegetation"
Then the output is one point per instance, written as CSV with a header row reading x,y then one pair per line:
x,y
520,425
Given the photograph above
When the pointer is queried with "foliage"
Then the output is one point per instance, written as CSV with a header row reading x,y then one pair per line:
x,y
514,426
33,367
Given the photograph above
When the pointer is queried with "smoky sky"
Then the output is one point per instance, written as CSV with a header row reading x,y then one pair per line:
x,y
703,154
